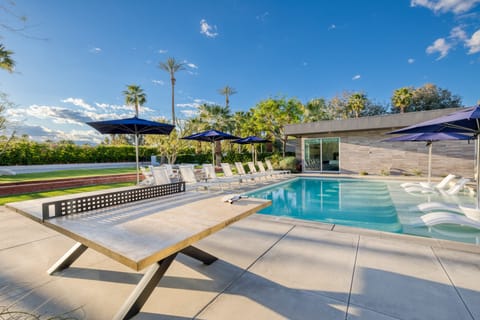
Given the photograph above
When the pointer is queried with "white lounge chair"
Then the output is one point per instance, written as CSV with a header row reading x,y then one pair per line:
x,y
261,168
228,173
442,217
271,169
455,189
441,185
147,173
211,176
171,173
436,206
254,172
188,176
243,174
160,175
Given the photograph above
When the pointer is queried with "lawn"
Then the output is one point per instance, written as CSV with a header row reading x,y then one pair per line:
x,y
62,174
53,193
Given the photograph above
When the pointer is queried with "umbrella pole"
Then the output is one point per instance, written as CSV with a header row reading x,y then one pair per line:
x,y
213,153
253,154
477,177
136,158
429,162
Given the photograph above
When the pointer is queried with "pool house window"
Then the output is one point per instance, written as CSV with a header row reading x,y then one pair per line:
x,y
321,154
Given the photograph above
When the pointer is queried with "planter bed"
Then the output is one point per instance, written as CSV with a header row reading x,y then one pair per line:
x,y
46,185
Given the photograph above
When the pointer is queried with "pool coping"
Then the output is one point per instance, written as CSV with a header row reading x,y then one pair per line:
x,y
432,242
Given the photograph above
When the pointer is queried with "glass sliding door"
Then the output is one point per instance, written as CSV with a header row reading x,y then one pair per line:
x,y
313,160
330,155
321,154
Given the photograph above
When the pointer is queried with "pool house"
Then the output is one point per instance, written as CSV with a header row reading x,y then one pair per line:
x,y
357,146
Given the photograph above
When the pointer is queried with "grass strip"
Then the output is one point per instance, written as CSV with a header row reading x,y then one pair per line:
x,y
62,174
54,193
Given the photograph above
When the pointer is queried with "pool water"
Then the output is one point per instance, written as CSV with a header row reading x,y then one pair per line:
x,y
377,205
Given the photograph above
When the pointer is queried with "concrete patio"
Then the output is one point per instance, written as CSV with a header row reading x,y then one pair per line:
x,y
267,269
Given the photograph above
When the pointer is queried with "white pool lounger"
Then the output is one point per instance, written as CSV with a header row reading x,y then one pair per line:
x,y
436,206
442,217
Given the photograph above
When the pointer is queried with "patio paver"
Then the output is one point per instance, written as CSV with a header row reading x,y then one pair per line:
x,y
269,268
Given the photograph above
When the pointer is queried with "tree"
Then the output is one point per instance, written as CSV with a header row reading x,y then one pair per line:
x,y
402,98
339,106
170,145
272,115
6,61
216,117
373,109
227,92
317,110
356,103
134,95
431,97
172,66
4,105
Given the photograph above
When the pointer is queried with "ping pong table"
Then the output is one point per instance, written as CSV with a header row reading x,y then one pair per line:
x,y
140,234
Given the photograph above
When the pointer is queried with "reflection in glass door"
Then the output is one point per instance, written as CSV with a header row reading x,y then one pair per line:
x,y
322,154
312,153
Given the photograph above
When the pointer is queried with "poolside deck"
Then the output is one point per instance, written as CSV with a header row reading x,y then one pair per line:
x,y
268,268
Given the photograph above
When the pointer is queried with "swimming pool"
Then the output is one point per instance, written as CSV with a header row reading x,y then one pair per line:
x,y
377,205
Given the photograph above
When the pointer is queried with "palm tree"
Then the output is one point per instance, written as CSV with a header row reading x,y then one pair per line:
x,y
227,92
6,61
357,102
171,66
134,95
215,117
402,98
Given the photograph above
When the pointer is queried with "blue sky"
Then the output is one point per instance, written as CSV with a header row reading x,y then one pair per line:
x,y
75,58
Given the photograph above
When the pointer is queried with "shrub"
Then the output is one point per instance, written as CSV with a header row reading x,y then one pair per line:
x,y
289,163
385,172
194,158
417,172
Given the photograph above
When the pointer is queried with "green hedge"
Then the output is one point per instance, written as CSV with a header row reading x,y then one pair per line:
x,y
26,152
29,152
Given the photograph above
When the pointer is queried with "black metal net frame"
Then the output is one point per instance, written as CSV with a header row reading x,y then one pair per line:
x,y
66,207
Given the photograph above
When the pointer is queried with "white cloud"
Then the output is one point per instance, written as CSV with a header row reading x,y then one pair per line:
x,y
79,103
189,113
458,33
473,43
263,16
191,65
194,104
356,77
208,30
441,46
187,105
95,50
455,6
159,82
162,51
411,60
332,27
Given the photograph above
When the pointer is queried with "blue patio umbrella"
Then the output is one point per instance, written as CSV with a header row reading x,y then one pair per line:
x,y
466,120
211,136
135,126
430,137
251,140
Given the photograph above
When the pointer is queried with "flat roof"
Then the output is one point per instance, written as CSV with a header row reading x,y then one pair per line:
x,y
386,121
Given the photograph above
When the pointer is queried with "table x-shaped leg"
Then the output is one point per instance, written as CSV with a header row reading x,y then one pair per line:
x,y
147,284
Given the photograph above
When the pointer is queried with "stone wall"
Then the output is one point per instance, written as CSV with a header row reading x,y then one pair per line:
x,y
364,151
